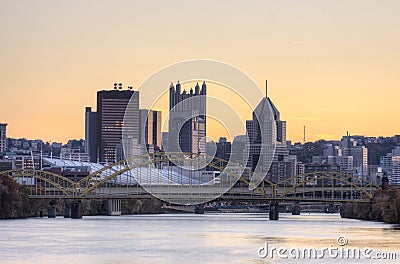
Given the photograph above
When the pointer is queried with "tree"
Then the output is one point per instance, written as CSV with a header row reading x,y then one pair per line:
x,y
11,199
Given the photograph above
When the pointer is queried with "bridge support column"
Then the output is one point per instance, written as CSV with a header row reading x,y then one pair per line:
x,y
67,212
76,210
273,211
52,212
296,208
114,207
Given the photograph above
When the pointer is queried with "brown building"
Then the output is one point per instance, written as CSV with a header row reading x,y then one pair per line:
x,y
111,106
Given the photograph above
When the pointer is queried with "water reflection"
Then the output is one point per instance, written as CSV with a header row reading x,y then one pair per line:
x,y
182,238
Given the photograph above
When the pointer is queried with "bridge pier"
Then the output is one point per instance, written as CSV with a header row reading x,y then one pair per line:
x,y
296,208
274,211
67,212
114,207
52,212
76,210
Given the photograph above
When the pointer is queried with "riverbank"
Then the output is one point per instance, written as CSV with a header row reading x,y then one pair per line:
x,y
384,206
15,204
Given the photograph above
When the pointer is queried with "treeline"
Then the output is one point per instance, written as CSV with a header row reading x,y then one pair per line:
x,y
14,203
384,206
13,199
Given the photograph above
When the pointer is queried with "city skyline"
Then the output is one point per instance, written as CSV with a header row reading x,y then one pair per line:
x,y
331,67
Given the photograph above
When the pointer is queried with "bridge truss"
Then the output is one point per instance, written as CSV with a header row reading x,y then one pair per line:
x,y
130,179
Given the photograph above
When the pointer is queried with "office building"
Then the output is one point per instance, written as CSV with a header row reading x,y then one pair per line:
x,y
111,106
3,137
223,149
150,129
263,132
394,178
390,166
187,119
386,163
90,134
348,155
32,162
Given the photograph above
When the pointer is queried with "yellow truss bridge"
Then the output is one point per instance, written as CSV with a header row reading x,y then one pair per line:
x,y
133,178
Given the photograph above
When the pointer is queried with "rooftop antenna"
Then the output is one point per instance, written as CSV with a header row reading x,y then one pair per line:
x,y
266,88
304,134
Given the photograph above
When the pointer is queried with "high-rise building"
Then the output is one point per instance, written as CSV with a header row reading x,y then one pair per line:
x,y
394,178
223,149
150,129
390,165
111,106
260,129
348,155
187,119
386,163
350,147
90,134
3,137
164,140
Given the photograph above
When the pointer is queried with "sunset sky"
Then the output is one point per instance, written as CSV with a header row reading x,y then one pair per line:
x,y
333,66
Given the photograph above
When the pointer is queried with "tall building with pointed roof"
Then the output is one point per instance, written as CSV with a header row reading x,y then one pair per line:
x,y
268,130
187,119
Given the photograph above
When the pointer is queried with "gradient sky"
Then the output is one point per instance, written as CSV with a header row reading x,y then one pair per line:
x,y
333,66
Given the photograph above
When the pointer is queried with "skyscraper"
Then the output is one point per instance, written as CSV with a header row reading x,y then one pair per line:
x,y
350,147
150,126
274,132
90,134
3,137
187,119
111,106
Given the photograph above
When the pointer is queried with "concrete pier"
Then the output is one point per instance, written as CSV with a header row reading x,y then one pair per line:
x,y
274,211
296,208
67,212
76,210
52,212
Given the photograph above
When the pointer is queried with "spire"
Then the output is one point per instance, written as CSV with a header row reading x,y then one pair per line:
x,y
178,87
266,88
203,88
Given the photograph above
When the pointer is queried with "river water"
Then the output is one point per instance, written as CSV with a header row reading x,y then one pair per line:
x,y
189,238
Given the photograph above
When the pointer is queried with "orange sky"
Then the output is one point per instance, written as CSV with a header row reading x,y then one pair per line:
x,y
332,65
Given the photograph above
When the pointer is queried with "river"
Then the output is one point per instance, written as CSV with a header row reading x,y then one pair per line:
x,y
188,238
